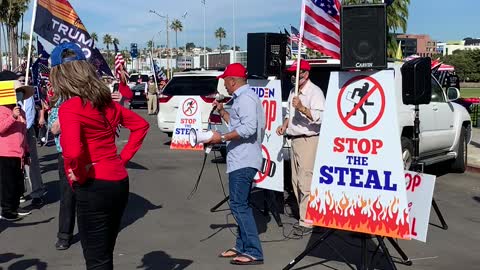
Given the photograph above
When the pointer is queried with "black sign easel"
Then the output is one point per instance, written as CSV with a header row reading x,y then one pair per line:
x,y
364,251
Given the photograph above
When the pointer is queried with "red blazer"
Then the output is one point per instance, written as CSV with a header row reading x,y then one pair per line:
x,y
88,139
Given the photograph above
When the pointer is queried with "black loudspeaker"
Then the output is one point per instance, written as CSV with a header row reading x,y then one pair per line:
x,y
267,53
363,37
416,81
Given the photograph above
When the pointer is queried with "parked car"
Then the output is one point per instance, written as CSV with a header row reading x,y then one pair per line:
x,y
134,79
197,84
139,96
445,126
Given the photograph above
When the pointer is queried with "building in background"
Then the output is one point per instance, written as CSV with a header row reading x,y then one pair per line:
x,y
421,45
465,44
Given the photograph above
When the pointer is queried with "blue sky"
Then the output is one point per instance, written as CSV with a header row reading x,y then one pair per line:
x,y
130,21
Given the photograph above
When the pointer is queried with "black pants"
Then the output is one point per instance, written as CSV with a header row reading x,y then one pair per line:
x,y
100,206
66,217
12,185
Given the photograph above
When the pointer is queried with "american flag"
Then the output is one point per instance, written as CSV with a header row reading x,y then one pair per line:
x,y
119,64
295,35
321,26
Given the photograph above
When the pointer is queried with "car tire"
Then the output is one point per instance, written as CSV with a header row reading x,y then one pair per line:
x,y
407,152
459,165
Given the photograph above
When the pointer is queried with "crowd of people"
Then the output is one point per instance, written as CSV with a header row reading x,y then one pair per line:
x,y
83,114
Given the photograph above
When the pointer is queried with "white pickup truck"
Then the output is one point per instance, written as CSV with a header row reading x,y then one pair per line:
x,y
445,127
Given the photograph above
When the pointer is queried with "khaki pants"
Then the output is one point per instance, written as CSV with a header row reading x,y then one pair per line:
x,y
302,157
152,104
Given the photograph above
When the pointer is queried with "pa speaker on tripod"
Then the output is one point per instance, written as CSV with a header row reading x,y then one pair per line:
x,y
267,53
363,37
417,81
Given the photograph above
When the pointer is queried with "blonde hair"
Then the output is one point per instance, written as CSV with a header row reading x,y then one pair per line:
x,y
79,79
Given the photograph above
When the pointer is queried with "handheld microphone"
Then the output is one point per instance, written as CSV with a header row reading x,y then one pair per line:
x,y
218,97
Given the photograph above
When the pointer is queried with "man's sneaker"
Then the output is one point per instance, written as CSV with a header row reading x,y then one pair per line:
x,y
22,199
11,216
23,212
37,202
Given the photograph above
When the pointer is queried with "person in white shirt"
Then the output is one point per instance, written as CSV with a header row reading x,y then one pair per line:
x,y
302,125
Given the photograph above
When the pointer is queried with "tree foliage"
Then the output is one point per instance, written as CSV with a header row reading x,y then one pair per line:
x,y
397,16
176,26
220,34
466,63
11,12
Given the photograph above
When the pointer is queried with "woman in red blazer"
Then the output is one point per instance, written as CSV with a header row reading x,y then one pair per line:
x,y
88,120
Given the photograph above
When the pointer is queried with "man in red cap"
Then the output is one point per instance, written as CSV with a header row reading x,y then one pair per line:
x,y
246,120
302,125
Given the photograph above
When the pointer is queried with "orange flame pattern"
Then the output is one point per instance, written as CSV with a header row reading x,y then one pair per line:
x,y
359,215
185,145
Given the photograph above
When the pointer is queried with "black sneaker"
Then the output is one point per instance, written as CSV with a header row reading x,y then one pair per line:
x,y
11,216
62,244
37,202
23,212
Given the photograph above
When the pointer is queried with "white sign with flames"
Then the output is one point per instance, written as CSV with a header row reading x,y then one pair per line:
x,y
358,181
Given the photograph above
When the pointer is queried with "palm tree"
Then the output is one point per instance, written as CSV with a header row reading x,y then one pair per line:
x,y
94,36
25,38
108,40
10,14
177,27
397,16
220,34
115,41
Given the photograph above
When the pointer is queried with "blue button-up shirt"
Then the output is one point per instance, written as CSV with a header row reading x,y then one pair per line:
x,y
248,119
29,108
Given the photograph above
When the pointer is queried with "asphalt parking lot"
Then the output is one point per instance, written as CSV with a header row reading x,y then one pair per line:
x,y
162,229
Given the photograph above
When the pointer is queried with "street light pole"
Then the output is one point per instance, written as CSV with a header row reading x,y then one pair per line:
x,y
168,41
234,41
204,36
185,36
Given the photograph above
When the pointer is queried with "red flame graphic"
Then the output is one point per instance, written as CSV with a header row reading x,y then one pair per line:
x,y
359,215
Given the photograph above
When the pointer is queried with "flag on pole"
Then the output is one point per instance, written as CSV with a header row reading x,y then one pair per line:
x,y
295,36
399,54
57,22
119,64
320,26
7,93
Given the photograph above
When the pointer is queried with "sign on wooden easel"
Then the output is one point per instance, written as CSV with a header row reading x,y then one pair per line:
x,y
358,182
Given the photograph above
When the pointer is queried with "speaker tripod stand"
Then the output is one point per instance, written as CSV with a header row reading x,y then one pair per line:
x,y
364,251
269,206
419,167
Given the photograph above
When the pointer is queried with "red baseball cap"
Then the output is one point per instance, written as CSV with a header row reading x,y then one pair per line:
x,y
304,65
234,70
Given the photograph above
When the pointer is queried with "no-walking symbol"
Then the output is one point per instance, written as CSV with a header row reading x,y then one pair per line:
x,y
190,107
361,103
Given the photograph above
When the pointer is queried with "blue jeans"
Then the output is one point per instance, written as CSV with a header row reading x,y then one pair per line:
x,y
240,183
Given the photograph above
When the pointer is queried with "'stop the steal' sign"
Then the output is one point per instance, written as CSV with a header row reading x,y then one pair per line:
x,y
358,181
189,116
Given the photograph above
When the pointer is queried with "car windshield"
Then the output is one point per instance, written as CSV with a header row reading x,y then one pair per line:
x,y
191,86
139,87
133,78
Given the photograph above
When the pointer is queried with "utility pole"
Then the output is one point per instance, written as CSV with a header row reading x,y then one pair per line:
x,y
168,41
